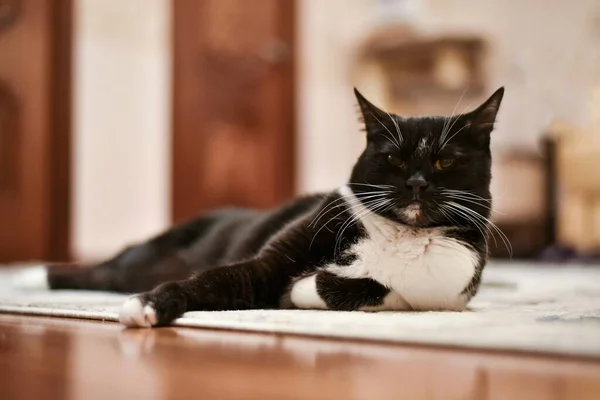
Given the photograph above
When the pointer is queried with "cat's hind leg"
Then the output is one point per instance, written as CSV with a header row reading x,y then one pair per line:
x,y
135,269
131,271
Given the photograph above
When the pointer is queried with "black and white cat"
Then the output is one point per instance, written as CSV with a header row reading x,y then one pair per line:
x,y
407,232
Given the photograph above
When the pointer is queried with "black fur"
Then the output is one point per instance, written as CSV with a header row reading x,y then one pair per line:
x,y
334,291
242,259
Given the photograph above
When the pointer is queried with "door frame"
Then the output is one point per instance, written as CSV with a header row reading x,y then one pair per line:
x,y
61,132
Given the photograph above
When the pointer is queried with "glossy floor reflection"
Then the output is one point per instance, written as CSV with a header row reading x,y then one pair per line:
x,y
43,358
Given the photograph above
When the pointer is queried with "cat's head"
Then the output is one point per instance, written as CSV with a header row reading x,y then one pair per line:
x,y
426,171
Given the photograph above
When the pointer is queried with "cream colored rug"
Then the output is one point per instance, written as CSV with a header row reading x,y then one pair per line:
x,y
519,307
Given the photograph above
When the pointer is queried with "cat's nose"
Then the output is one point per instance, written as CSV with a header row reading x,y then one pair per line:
x,y
417,182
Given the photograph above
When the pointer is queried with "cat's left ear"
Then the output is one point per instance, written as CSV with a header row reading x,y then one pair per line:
x,y
372,116
483,118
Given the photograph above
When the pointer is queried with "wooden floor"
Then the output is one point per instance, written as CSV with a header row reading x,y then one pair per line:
x,y
44,358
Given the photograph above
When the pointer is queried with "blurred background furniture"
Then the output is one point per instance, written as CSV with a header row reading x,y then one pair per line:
x,y
577,184
233,105
35,129
419,75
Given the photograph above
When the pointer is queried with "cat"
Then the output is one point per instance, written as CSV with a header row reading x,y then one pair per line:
x,y
408,231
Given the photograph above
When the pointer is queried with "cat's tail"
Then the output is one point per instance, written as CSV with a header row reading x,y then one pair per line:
x,y
30,278
63,276
136,269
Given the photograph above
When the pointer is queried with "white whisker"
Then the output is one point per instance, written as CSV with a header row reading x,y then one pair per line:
x,y
392,139
372,185
445,128
481,227
395,122
475,201
371,208
343,201
453,136
487,221
349,203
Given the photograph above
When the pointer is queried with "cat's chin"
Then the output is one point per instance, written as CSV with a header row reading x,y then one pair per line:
x,y
413,214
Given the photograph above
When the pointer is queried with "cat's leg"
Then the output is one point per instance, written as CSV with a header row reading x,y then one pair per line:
x,y
261,282
324,290
137,268
131,271
258,283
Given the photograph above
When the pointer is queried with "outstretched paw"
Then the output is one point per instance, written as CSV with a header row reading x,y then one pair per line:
x,y
159,307
135,313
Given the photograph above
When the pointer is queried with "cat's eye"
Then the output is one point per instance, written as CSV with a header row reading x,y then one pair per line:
x,y
396,161
444,163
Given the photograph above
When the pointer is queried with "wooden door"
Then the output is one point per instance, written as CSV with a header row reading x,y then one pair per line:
x,y
233,115
34,129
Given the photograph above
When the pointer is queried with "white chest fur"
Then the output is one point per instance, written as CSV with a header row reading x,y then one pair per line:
x,y
425,269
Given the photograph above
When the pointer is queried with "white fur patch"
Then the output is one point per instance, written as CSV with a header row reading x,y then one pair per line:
x,y
422,146
31,278
304,294
412,212
134,314
424,267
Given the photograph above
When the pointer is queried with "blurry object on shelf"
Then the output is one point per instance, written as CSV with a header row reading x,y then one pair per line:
x,y
577,153
415,74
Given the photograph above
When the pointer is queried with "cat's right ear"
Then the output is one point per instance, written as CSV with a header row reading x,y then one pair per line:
x,y
372,116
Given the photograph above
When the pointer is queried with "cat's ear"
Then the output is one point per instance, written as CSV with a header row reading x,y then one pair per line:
x,y
483,118
372,116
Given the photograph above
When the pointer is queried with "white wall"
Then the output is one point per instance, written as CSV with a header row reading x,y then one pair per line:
x,y
328,137
121,123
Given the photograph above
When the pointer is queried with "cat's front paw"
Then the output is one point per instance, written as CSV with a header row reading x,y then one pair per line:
x,y
159,307
135,313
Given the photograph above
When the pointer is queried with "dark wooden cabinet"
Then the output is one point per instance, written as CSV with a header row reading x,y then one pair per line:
x,y
233,109
35,50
